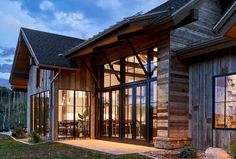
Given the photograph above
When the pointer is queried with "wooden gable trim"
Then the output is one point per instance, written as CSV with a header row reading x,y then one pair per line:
x,y
29,47
227,22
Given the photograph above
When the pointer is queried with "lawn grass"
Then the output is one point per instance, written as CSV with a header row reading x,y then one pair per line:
x,y
10,149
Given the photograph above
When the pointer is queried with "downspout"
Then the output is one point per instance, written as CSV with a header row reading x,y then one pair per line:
x,y
52,116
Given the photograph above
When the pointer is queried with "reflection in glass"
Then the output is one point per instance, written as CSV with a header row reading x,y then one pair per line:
x,y
219,115
115,114
225,101
231,88
42,113
220,89
36,114
231,115
153,62
128,113
46,113
106,104
39,113
32,113
153,104
141,113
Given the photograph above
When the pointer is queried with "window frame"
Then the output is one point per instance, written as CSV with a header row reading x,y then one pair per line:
x,y
214,102
41,131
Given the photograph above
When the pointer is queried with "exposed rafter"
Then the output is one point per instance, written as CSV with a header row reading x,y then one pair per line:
x,y
136,55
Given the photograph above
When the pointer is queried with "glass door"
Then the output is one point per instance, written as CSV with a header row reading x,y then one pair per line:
x,y
82,113
73,114
135,113
110,114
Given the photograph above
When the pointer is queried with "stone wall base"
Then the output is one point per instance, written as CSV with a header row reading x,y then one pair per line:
x,y
171,143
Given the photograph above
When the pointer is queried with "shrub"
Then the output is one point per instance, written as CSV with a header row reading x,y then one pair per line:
x,y
232,148
18,133
187,152
34,138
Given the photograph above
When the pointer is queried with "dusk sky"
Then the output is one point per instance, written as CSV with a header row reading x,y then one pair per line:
x,y
76,18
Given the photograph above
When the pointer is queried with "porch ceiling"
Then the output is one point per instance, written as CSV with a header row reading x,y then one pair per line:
x,y
109,147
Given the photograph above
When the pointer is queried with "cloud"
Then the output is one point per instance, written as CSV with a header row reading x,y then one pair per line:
x,y
4,75
46,5
12,17
72,19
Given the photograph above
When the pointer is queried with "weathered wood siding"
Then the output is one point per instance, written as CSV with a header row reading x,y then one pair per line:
x,y
32,89
163,86
201,75
200,30
191,86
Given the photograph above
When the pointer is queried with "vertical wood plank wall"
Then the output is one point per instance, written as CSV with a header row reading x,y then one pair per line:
x,y
201,98
79,80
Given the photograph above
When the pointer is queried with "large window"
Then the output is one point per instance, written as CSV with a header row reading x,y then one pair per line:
x,y
225,101
133,71
73,114
110,78
40,113
129,105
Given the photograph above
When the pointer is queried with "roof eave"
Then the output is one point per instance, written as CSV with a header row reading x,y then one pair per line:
x,y
205,48
224,24
173,19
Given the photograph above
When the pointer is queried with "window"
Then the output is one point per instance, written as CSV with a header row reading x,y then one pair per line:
x,y
133,71
110,78
73,114
40,113
225,101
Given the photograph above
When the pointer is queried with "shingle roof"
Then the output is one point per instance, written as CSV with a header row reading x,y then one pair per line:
x,y
48,48
171,6
161,12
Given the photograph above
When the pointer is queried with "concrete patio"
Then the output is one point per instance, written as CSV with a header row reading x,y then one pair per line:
x,y
113,148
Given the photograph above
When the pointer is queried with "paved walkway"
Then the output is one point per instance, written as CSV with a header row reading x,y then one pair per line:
x,y
114,148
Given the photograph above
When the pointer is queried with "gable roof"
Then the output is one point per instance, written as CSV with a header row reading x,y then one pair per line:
x,y
48,48
158,15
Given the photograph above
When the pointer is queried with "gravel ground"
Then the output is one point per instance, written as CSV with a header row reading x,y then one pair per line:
x,y
170,154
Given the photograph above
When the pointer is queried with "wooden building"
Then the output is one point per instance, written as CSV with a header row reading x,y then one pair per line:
x,y
164,78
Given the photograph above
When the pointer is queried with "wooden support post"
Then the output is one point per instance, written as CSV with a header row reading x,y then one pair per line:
x,y
112,68
136,55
